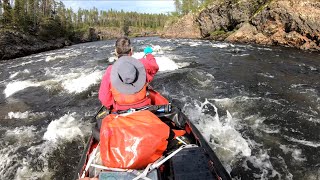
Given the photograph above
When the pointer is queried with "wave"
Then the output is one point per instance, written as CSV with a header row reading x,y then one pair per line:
x,y
16,86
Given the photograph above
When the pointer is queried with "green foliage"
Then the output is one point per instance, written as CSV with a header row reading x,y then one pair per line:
x,y
51,19
217,33
261,8
172,20
6,18
125,28
184,7
50,28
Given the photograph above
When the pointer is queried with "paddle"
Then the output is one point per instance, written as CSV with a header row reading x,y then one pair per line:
x,y
95,116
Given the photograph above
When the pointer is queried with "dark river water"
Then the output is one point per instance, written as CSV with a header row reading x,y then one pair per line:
x,y
259,107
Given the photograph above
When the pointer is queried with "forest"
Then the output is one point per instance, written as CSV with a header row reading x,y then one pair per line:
x,y
184,7
51,19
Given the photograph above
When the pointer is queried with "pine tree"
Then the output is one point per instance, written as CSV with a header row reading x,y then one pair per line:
x,y
7,13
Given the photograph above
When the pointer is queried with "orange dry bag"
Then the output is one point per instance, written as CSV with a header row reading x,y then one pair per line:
x,y
132,141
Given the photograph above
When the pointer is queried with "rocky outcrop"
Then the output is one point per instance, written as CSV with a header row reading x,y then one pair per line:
x,y
226,15
88,35
109,33
14,44
185,27
290,23
293,23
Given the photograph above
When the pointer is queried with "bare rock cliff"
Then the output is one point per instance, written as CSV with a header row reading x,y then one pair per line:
x,y
293,23
185,27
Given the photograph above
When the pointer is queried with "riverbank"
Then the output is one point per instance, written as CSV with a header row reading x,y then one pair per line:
x,y
14,44
290,23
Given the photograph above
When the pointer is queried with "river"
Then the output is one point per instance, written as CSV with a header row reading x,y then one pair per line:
x,y
259,107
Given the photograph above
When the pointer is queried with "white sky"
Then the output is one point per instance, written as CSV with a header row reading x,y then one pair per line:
x,y
145,6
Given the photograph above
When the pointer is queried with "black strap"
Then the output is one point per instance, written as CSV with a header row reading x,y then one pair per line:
x,y
171,135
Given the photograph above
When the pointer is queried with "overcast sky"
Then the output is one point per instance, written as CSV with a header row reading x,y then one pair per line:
x,y
146,6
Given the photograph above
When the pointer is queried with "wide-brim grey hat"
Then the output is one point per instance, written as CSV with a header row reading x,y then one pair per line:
x,y
128,75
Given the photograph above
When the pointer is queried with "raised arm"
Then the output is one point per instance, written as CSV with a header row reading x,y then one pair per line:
x,y
151,66
105,95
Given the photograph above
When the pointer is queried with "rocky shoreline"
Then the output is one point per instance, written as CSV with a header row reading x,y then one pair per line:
x,y
292,23
14,44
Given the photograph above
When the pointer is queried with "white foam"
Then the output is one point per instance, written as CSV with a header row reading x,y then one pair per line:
x,y
297,85
112,59
166,64
156,48
22,135
270,131
25,171
7,165
304,142
219,131
26,168
17,73
79,82
296,153
267,49
16,86
221,45
262,162
240,55
204,79
313,68
18,115
51,58
14,139
167,48
106,46
183,64
193,44
266,75
66,127
138,55
14,75
63,56
25,63
24,115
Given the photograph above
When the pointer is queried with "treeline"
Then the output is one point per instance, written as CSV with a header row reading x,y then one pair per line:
x,y
49,18
183,7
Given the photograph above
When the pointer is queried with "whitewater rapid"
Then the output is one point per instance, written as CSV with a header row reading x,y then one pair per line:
x,y
249,103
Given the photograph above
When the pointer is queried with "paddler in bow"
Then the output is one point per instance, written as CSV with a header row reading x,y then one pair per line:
x,y
124,84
